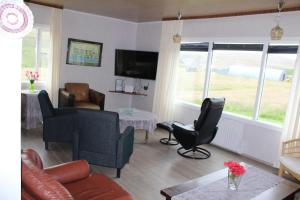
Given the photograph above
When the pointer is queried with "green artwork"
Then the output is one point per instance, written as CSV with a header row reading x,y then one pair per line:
x,y
84,53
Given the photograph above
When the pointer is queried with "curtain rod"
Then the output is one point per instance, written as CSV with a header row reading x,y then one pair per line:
x,y
257,12
45,4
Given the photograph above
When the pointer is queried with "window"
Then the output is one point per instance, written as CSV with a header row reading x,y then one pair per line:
x,y
252,87
36,52
277,84
234,75
192,69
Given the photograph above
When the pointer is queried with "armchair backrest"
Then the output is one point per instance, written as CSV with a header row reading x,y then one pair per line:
x,y
80,90
211,111
99,132
45,104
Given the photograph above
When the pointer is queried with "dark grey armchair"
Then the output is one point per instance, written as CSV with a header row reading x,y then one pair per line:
x,y
58,124
99,141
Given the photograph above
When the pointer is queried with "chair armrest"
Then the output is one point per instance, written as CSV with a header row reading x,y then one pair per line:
x,y
69,172
59,128
188,129
291,148
65,99
65,111
125,146
97,98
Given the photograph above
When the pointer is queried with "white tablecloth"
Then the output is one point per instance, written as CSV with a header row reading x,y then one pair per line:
x,y
31,115
254,182
139,119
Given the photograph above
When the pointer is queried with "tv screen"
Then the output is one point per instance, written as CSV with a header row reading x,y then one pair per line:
x,y
136,64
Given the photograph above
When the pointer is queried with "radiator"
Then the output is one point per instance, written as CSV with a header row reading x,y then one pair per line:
x,y
229,135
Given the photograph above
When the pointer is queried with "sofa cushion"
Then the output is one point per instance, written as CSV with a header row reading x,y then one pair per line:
x,y
80,90
292,163
97,186
87,105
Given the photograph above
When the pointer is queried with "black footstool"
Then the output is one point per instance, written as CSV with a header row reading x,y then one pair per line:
x,y
168,127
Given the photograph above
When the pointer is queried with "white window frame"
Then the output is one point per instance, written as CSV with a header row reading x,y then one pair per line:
x,y
261,79
38,53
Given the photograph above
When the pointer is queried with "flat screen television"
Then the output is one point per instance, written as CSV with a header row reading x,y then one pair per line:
x,y
136,64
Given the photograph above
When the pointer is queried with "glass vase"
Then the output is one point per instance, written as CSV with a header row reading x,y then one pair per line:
x,y
31,86
233,181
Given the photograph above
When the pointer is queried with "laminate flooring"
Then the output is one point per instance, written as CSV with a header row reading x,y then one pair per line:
x,y
152,166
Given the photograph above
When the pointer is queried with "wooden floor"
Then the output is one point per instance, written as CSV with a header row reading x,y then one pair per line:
x,y
152,166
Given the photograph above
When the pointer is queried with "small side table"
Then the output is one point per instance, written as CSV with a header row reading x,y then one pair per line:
x,y
31,115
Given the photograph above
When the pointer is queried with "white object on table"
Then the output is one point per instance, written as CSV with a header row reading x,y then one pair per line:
x,y
139,119
31,115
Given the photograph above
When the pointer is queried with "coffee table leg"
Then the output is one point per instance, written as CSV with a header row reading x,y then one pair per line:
x,y
146,136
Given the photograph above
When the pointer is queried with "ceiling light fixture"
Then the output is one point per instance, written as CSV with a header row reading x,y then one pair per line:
x,y
177,37
277,31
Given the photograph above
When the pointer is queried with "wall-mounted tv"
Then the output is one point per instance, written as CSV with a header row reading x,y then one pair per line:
x,y
136,64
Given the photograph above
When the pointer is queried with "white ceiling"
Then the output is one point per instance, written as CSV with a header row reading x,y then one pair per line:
x,y
154,10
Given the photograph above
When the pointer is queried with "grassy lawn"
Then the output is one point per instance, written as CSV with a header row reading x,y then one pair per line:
x,y
240,94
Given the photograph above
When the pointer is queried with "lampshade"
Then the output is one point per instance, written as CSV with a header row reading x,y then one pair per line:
x,y
276,33
177,38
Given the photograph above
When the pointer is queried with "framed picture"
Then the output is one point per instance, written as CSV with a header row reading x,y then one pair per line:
x,y
119,85
84,53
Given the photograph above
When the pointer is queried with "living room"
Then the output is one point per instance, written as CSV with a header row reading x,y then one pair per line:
x,y
250,133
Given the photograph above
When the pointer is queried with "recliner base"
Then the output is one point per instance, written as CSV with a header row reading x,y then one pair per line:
x,y
168,141
196,153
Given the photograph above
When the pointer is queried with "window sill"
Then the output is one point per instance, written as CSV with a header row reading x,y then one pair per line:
x,y
233,116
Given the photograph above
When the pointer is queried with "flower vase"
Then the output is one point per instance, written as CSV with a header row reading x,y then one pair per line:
x,y
233,181
31,86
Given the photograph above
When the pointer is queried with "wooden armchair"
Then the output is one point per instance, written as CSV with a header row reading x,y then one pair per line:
x,y
290,158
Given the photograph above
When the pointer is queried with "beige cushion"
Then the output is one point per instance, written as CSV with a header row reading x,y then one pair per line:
x,y
80,90
292,163
87,105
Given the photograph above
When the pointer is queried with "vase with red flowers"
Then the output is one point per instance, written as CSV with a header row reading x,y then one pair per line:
x,y
32,77
235,173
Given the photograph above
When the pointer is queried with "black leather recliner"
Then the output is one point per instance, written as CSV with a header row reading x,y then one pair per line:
x,y
58,124
202,132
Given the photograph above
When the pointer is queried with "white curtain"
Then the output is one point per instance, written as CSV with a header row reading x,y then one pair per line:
x,y
54,69
291,129
164,97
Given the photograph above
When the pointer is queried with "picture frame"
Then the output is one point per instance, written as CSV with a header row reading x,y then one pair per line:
x,y
84,53
119,85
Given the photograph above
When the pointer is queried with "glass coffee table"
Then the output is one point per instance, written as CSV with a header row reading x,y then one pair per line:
x,y
139,119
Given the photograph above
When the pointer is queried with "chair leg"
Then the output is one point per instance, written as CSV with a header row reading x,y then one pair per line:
x,y
118,172
281,170
46,145
168,141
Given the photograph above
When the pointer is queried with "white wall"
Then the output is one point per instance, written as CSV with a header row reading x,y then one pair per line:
x,y
147,39
246,27
114,34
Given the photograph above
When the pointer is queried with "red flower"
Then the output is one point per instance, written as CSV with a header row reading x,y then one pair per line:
x,y
235,168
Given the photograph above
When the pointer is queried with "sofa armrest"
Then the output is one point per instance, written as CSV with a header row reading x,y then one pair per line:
x,y
69,172
125,146
65,99
97,98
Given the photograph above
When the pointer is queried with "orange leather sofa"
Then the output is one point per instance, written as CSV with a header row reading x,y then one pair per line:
x,y
71,180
